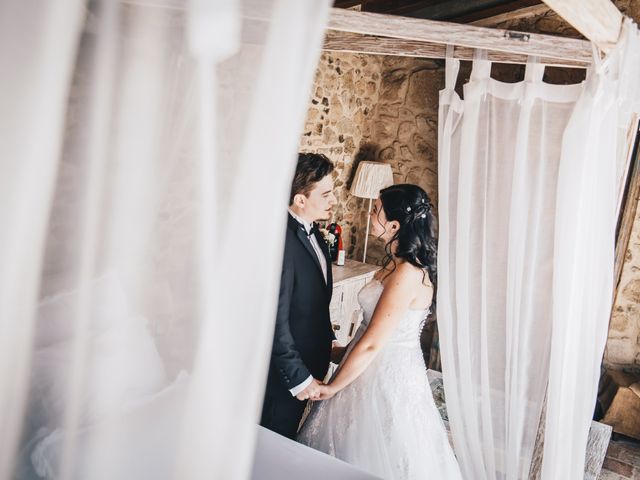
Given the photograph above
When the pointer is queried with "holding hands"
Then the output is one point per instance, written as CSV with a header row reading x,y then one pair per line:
x,y
312,391
317,391
325,392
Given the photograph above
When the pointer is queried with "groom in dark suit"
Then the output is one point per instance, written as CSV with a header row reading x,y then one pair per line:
x,y
303,334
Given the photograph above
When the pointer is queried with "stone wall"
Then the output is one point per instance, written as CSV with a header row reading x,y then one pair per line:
x,y
368,107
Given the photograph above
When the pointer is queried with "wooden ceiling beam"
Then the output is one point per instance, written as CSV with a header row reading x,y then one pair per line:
x,y
519,14
567,50
347,3
395,7
504,8
453,9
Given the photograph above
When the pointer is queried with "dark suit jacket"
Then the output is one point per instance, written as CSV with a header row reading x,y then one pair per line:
x,y
303,333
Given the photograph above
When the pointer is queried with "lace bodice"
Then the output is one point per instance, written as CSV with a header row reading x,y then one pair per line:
x,y
408,330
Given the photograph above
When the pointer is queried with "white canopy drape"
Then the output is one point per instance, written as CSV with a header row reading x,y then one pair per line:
x,y
594,148
527,209
147,152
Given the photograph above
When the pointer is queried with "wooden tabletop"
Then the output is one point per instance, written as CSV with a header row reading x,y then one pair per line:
x,y
351,270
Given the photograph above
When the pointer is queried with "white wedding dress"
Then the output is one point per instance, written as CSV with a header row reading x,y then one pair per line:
x,y
386,421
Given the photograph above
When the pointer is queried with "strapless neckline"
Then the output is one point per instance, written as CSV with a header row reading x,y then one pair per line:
x,y
381,285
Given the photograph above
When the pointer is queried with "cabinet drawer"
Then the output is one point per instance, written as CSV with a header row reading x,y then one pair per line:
x,y
345,311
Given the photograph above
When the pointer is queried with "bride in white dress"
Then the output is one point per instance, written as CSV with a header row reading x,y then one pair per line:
x,y
377,412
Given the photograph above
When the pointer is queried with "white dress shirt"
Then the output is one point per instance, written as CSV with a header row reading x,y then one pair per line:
x,y
323,263
314,243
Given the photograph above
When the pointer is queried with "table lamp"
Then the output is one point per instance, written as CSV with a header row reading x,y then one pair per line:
x,y
370,178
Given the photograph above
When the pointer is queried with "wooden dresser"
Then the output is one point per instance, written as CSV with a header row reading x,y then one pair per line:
x,y
345,310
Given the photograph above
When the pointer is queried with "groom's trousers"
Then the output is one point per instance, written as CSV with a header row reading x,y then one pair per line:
x,y
282,412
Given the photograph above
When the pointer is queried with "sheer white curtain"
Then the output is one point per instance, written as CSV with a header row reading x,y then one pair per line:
x,y
147,151
593,149
37,50
525,258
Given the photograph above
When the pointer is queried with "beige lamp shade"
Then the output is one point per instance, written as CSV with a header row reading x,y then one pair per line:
x,y
370,178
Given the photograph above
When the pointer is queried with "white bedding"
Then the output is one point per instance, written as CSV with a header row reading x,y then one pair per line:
x,y
144,450
130,420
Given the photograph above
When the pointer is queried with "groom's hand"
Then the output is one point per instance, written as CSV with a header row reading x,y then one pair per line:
x,y
312,391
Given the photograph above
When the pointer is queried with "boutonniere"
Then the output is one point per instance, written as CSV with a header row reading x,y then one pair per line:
x,y
332,235
329,238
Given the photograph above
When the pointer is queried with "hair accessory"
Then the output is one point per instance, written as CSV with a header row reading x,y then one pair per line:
x,y
408,209
424,215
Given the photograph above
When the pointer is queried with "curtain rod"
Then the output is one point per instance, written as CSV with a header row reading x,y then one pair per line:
x,y
372,45
366,32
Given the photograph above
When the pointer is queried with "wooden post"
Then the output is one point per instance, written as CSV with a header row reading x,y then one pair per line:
x,y
627,214
598,20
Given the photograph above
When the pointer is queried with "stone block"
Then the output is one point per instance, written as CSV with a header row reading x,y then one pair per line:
x,y
620,398
631,291
620,350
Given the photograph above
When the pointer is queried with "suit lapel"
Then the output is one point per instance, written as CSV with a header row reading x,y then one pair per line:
x,y
301,233
325,251
302,236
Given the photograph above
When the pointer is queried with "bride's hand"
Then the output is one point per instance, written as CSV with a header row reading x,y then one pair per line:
x,y
326,392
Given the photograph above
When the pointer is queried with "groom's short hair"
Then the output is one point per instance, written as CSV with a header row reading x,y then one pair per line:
x,y
311,168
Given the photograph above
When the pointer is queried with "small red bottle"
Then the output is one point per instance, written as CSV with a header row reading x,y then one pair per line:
x,y
341,252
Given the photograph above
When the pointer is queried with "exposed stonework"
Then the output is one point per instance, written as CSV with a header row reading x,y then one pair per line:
x,y
367,107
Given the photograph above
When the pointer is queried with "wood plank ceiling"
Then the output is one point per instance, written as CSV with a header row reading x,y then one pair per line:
x,y
459,11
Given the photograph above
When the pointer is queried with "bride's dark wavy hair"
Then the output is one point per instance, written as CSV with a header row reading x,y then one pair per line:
x,y
411,207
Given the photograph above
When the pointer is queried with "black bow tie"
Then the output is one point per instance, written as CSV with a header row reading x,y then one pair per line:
x,y
314,229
